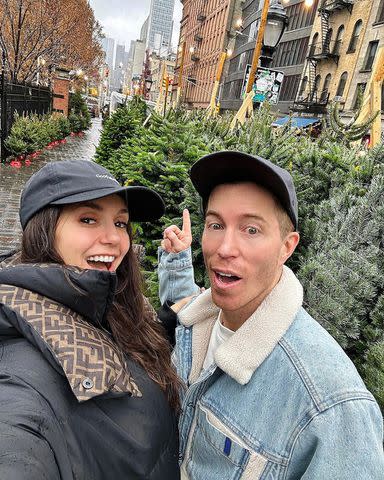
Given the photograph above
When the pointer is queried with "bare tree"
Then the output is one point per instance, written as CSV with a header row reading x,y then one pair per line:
x,y
62,32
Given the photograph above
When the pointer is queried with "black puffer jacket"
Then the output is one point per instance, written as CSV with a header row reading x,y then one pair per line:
x,y
71,405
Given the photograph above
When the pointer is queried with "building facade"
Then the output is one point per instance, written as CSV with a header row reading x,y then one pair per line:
x,y
288,58
372,41
206,29
344,40
160,66
160,23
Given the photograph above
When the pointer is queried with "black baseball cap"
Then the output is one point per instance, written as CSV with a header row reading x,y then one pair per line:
x,y
72,181
231,166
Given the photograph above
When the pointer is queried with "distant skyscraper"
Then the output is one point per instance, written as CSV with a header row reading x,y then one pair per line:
x,y
138,59
119,58
108,45
144,31
160,26
118,72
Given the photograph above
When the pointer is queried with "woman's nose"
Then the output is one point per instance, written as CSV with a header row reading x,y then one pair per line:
x,y
110,234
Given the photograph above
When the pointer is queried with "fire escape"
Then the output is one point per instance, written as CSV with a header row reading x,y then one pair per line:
x,y
311,100
194,52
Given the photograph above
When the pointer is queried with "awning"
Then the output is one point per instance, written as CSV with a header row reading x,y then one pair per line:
x,y
296,122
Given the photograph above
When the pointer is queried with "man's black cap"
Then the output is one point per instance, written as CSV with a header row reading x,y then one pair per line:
x,y
231,166
72,181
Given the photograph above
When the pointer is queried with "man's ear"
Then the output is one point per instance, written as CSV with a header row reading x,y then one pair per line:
x,y
289,245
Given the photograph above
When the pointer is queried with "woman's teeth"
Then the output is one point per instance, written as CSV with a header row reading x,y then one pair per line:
x,y
101,258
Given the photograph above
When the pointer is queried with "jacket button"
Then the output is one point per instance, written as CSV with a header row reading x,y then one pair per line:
x,y
87,383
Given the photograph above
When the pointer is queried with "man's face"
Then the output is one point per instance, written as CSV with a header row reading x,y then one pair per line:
x,y
243,248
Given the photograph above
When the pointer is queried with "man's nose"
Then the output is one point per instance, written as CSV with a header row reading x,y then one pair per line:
x,y
228,246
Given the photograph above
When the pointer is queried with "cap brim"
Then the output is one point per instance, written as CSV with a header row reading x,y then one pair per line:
x,y
231,166
144,204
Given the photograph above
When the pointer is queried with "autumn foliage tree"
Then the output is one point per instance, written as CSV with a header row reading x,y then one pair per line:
x,y
63,32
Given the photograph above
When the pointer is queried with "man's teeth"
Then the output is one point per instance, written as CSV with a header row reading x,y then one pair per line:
x,y
225,274
102,258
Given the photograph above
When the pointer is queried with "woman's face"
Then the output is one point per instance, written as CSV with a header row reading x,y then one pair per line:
x,y
93,234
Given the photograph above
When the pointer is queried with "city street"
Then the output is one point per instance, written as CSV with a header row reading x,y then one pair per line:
x,y
12,180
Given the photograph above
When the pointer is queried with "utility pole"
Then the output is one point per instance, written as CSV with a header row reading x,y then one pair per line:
x,y
376,84
247,105
180,79
166,86
159,103
212,109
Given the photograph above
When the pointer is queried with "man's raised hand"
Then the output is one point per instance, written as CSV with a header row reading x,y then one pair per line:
x,y
176,240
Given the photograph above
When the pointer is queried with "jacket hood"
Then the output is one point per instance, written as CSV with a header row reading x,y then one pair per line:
x,y
87,292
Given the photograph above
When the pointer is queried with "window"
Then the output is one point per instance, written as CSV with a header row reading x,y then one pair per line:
x,y
338,40
300,16
325,91
253,31
370,57
303,86
291,53
360,87
289,87
380,13
355,36
341,86
312,48
316,86
327,40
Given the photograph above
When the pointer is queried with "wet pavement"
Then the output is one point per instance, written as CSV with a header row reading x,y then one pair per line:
x,y
13,179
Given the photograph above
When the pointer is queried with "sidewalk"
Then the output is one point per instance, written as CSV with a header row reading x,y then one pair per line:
x,y
12,181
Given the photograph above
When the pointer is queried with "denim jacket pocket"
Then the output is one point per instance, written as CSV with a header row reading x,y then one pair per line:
x,y
214,448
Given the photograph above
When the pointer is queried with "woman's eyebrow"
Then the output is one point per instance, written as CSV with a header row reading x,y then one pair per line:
x,y
97,207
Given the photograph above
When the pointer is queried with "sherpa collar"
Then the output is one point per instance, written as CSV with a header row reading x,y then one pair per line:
x,y
250,345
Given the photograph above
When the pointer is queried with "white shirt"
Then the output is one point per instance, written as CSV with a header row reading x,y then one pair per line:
x,y
218,336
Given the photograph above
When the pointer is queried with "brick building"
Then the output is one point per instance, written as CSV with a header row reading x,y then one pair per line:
x,y
371,41
61,91
207,27
344,40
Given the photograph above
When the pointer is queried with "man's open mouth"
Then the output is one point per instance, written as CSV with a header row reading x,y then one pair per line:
x,y
226,278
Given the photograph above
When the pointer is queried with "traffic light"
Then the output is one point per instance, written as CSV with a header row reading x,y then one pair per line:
x,y
166,82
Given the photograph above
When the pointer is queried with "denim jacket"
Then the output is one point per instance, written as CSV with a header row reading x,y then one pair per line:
x,y
281,401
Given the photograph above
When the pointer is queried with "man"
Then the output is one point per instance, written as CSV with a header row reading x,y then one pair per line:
x,y
270,394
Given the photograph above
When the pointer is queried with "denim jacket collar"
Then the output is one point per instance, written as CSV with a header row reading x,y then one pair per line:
x,y
251,344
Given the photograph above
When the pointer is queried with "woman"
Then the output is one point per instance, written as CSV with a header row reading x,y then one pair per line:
x,y
87,390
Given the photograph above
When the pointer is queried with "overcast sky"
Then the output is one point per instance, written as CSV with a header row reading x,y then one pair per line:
x,y
122,19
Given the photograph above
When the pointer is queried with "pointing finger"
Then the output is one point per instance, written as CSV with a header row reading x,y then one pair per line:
x,y
186,222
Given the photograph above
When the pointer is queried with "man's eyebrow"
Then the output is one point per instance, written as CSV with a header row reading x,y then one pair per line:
x,y
251,216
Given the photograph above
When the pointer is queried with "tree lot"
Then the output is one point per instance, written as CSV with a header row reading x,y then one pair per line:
x,y
340,190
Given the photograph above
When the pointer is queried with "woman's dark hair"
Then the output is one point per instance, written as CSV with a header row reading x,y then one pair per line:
x,y
132,322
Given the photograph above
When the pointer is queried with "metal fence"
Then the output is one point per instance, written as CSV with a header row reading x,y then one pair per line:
x,y
23,99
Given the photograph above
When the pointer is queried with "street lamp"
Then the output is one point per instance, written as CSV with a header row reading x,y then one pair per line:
x,y
277,25
277,20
